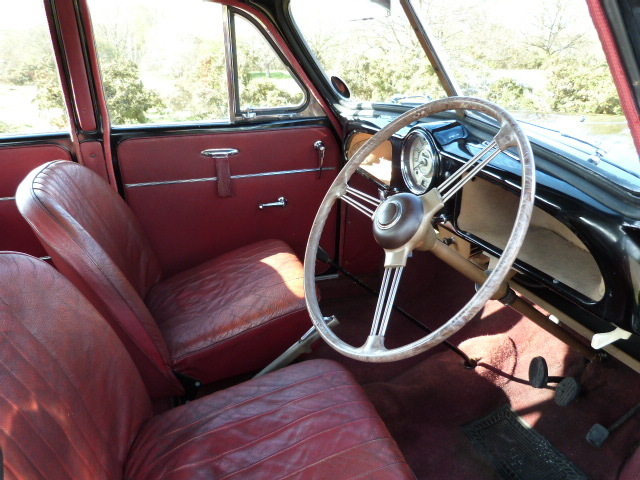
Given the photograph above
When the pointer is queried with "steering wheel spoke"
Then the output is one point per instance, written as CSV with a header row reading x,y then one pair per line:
x,y
468,170
361,201
386,298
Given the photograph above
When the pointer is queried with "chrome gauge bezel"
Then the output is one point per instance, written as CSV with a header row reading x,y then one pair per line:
x,y
409,148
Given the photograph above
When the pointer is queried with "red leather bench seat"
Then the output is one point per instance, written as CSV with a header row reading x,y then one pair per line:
x,y
73,405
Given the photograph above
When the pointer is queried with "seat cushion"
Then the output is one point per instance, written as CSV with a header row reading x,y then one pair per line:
x,y
232,314
307,421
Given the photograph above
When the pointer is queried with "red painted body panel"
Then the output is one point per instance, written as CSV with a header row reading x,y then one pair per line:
x,y
80,89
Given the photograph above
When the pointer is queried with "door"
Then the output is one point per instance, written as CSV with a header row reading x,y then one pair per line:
x,y
218,139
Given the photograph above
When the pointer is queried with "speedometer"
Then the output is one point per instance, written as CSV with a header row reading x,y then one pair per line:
x,y
420,162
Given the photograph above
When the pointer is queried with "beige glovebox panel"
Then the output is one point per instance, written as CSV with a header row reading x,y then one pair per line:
x,y
488,212
378,164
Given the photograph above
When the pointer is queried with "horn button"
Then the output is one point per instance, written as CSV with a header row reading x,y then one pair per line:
x,y
397,220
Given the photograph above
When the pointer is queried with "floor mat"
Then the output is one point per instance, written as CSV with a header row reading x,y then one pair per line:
x,y
517,450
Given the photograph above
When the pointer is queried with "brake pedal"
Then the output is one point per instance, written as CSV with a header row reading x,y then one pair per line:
x,y
567,390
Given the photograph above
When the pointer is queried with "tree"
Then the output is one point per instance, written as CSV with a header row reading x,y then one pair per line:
x,y
5,127
49,96
257,56
510,94
581,89
263,92
127,98
202,89
554,32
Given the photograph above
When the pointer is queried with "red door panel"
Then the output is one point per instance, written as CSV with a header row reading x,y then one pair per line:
x,y
172,189
15,163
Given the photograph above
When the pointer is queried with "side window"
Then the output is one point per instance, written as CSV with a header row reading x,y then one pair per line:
x,y
161,61
31,98
264,82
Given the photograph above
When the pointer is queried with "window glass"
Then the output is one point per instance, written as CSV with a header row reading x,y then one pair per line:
x,y
263,79
372,49
31,99
542,60
162,61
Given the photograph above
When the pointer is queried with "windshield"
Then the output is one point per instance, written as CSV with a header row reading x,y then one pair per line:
x,y
372,49
541,60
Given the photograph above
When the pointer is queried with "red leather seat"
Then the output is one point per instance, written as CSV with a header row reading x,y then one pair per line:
x,y
228,316
73,405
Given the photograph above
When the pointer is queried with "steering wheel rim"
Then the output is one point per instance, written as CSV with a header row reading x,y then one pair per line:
x,y
509,135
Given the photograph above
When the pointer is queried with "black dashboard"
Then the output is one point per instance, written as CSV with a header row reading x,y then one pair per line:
x,y
582,253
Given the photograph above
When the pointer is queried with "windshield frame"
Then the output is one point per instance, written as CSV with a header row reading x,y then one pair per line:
x,y
446,81
344,106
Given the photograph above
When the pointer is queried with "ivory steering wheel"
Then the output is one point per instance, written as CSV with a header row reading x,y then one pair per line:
x,y
403,223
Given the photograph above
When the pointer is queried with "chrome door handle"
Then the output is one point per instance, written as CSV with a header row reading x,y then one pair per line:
x,y
319,146
219,152
281,202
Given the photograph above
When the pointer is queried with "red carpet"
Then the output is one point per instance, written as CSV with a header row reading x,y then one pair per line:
x,y
425,400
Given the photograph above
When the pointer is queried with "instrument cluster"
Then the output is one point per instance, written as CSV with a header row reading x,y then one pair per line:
x,y
420,161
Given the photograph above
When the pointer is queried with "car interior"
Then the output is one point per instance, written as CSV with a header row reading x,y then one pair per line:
x,y
234,247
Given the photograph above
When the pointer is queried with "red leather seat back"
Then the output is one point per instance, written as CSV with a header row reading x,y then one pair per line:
x,y
71,401
97,243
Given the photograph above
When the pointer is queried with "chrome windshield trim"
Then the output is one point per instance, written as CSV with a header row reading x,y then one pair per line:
x,y
214,179
7,199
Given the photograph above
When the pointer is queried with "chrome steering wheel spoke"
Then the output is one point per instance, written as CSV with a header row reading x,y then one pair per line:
x,y
468,170
361,201
505,138
386,299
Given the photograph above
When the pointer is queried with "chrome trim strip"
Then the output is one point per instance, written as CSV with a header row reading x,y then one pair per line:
x,y
45,258
171,182
283,172
214,179
7,199
229,32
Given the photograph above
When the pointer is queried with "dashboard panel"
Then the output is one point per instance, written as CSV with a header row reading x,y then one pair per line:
x,y
582,252
488,213
379,164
